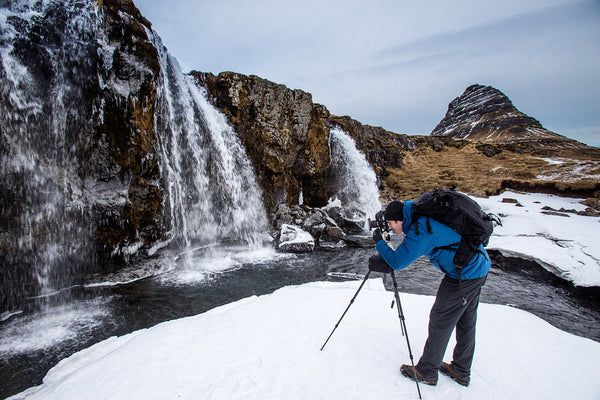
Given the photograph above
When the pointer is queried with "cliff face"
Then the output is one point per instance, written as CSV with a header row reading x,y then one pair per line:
x,y
287,137
80,173
482,146
284,133
124,163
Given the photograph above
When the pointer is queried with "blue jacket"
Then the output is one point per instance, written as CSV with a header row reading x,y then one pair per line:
x,y
415,246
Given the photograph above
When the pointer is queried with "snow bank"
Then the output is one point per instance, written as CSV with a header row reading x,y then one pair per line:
x,y
268,348
565,245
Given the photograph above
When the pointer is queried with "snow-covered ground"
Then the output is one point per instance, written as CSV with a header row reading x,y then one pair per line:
x,y
267,347
567,245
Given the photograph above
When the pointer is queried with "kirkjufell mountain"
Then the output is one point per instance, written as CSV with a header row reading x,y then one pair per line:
x,y
486,114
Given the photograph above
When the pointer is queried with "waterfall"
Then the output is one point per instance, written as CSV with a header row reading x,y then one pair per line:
x,y
211,190
46,116
357,182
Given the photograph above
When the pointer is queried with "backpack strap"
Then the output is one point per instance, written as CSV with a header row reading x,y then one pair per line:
x,y
454,247
416,224
429,226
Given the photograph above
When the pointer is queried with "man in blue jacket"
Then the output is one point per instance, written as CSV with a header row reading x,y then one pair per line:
x,y
456,300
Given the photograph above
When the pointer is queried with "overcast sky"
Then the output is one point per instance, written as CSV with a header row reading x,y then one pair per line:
x,y
398,63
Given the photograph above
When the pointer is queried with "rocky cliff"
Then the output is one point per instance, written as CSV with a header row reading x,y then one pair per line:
x,y
80,172
285,134
287,137
123,160
517,151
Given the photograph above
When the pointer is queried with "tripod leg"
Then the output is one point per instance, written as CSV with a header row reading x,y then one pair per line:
x,y
403,327
351,301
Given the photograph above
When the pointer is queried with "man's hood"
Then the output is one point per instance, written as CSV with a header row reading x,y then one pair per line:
x,y
407,212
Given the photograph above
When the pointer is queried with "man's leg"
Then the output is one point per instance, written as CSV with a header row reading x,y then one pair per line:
x,y
445,313
465,328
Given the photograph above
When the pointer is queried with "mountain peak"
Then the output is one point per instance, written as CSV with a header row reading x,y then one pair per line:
x,y
486,114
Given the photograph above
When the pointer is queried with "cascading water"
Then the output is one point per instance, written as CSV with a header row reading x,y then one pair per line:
x,y
46,78
357,182
211,191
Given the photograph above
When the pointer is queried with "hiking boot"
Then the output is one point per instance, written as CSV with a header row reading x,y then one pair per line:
x,y
412,373
447,370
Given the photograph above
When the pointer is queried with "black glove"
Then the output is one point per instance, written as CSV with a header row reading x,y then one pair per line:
x,y
377,235
378,264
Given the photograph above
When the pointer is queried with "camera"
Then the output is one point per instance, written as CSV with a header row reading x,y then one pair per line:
x,y
379,222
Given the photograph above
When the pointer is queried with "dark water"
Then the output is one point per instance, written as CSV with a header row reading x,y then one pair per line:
x,y
108,311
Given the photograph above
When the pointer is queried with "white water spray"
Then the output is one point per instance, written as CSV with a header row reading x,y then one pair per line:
x,y
357,182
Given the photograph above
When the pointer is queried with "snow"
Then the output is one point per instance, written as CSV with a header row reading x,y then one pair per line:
x,y
293,234
566,246
267,347
569,170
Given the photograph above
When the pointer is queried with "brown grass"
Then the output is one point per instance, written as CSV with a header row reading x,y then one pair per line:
x,y
469,170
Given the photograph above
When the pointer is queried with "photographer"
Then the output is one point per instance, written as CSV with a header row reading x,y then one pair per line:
x,y
457,296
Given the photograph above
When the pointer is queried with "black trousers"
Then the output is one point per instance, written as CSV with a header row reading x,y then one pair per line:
x,y
449,312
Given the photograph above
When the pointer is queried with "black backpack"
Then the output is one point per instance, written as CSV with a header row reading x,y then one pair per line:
x,y
463,215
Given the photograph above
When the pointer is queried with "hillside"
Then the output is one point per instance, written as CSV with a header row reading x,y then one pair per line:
x,y
482,169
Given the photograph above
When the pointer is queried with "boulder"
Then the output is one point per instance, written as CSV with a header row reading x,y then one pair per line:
x,y
333,246
351,220
295,240
333,234
364,240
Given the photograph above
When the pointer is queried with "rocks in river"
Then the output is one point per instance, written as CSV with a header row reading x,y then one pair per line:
x,y
304,229
555,213
351,220
295,240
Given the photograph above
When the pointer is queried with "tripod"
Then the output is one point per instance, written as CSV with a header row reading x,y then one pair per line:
x,y
351,301
403,327
400,315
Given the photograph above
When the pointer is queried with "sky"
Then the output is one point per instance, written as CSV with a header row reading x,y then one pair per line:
x,y
399,63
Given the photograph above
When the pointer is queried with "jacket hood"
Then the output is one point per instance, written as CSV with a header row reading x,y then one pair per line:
x,y
408,212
